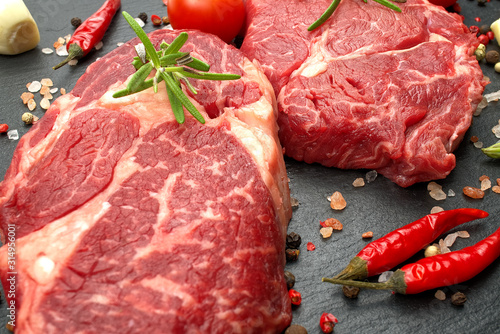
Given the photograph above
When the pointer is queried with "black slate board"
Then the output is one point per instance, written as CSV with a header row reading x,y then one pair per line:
x,y
380,206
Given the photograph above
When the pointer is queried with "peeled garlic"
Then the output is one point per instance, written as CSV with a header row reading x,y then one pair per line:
x,y
18,30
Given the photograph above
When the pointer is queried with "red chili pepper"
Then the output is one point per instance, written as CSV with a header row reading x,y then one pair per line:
x,y
327,322
90,32
399,245
438,270
4,128
295,297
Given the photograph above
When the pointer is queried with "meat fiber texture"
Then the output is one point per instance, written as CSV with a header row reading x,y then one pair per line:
x,y
372,88
127,222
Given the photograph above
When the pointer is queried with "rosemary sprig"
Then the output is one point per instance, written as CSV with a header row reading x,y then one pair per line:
x,y
492,151
335,3
171,66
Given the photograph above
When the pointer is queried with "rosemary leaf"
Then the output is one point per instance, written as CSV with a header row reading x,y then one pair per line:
x,y
139,77
177,43
211,76
150,49
389,5
176,106
325,16
177,91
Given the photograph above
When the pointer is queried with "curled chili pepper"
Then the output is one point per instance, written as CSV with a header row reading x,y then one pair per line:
x,y
399,245
438,270
90,32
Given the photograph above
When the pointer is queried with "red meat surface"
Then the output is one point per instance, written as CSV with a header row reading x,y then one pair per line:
x,y
127,222
371,88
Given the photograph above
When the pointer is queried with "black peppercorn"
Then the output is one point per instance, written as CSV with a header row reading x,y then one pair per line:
x,y
76,21
350,291
458,299
296,329
289,279
143,16
481,2
492,57
293,240
292,254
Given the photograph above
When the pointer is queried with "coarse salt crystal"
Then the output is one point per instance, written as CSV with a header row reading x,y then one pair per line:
x,y
496,189
433,185
438,194
492,96
496,130
63,91
99,45
337,201
73,62
34,86
61,40
367,235
45,103
443,247
13,134
31,104
359,182
436,209
451,193
478,144
119,44
483,104
450,239
440,295
139,21
47,51
47,82
326,232
48,96
61,51
463,234
26,97
371,176
294,202
485,184
44,90
53,90
67,38
384,277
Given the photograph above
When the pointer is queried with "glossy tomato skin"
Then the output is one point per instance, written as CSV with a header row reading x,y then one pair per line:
x,y
223,18
444,3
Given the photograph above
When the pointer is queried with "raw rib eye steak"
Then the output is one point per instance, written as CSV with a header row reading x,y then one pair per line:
x,y
128,222
371,88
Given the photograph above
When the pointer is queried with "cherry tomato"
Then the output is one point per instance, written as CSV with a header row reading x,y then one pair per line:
x,y
444,3
223,18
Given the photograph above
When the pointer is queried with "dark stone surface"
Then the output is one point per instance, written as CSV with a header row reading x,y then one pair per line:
x,y
380,206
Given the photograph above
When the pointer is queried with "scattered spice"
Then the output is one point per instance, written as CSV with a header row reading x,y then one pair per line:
x,y
326,232
440,295
474,139
333,223
295,297
289,279
165,20
432,250
327,322
294,202
4,128
293,240
76,21
310,246
26,96
367,235
492,57
473,192
143,16
292,254
156,20
483,39
458,299
29,118
296,329
337,201
351,292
